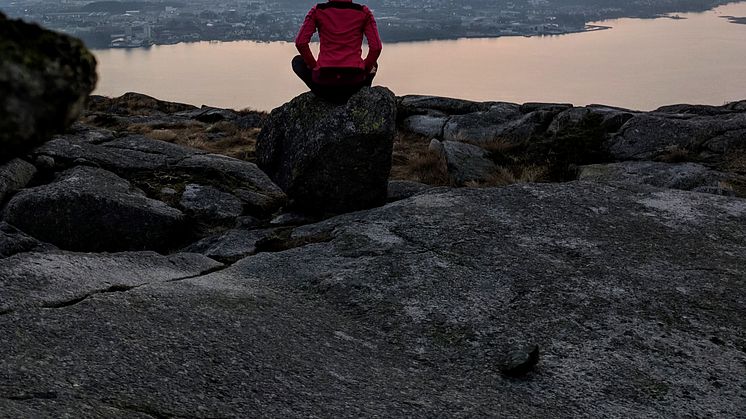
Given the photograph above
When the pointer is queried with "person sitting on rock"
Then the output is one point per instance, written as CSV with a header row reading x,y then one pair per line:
x,y
340,70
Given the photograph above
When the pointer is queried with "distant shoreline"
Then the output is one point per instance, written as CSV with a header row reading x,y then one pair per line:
x,y
588,28
485,35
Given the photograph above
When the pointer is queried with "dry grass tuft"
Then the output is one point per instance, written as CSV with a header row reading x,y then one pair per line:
x,y
221,138
163,135
493,146
241,146
676,154
413,160
504,176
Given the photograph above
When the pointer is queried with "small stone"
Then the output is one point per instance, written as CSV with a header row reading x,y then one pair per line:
x,y
44,163
436,147
210,205
520,362
247,221
291,218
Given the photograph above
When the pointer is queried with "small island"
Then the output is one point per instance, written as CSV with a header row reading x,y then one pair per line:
x,y
736,19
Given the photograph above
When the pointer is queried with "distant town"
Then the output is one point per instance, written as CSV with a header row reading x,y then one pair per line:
x,y
131,24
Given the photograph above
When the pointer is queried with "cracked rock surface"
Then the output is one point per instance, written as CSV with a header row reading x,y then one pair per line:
x,y
405,310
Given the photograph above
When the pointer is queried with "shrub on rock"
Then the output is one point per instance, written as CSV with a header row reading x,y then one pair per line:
x,y
331,158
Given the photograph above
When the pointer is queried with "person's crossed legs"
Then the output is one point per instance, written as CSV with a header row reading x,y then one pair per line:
x,y
338,94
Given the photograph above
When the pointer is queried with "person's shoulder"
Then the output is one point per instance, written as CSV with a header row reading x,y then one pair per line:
x,y
365,9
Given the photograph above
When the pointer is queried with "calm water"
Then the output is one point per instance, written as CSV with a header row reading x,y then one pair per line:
x,y
639,64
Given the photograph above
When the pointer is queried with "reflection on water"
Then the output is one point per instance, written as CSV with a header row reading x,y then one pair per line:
x,y
640,64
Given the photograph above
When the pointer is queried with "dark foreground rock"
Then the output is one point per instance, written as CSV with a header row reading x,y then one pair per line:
x,y
90,209
45,79
634,296
331,158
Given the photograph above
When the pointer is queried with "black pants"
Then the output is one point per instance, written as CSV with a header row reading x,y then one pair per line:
x,y
332,93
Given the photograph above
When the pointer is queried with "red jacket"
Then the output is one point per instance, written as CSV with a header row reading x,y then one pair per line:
x,y
341,25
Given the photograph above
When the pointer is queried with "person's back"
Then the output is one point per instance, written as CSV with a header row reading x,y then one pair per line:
x,y
340,69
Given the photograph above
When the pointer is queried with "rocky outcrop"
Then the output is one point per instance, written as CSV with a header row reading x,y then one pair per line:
x,y
138,104
331,158
97,189
649,136
45,79
91,209
560,137
408,310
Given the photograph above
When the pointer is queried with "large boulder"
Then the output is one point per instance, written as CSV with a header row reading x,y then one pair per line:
x,y
331,158
45,79
89,209
465,162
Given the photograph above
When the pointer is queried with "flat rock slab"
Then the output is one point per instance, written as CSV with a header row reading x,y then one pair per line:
x,y
122,155
402,189
635,296
686,176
